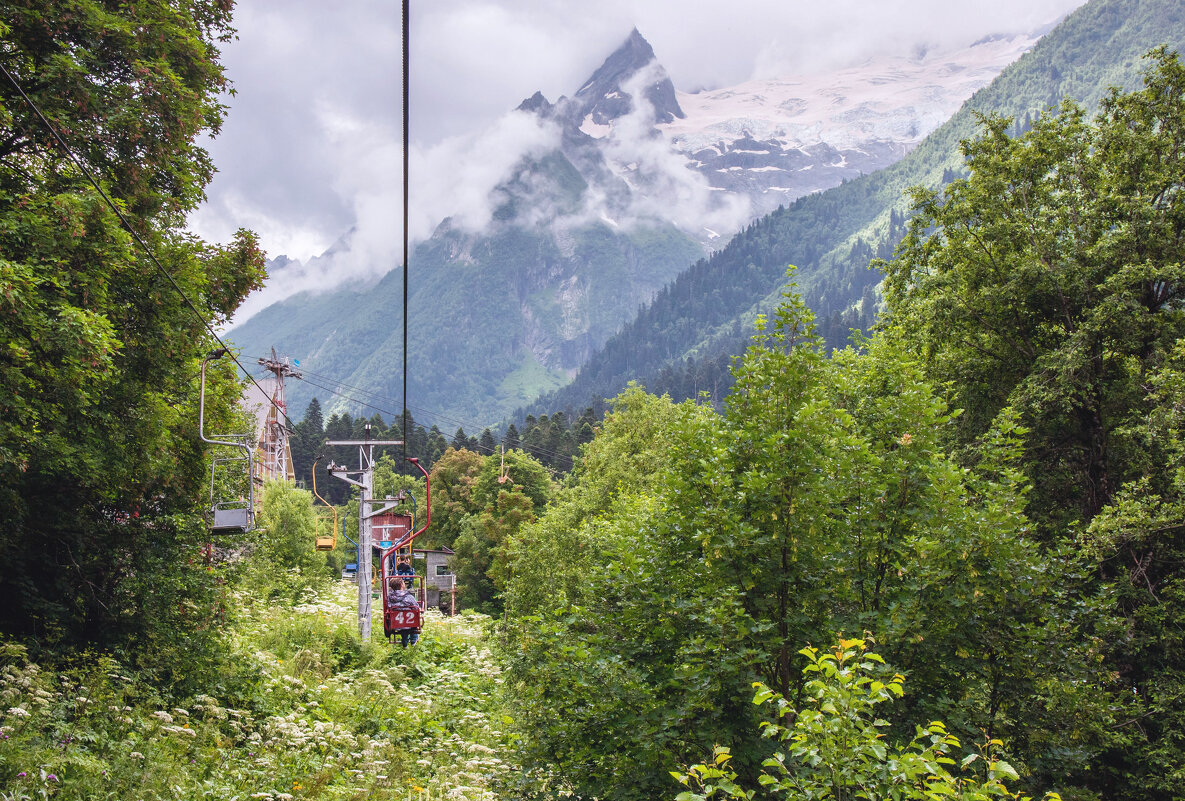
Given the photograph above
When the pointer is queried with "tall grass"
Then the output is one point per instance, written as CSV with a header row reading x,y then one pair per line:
x,y
302,709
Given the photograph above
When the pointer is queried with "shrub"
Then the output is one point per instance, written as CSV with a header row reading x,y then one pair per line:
x,y
835,749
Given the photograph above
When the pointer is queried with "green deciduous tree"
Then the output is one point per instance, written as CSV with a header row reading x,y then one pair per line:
x,y
453,501
482,560
831,507
558,560
1050,280
1138,546
691,550
1050,284
289,527
617,641
834,745
101,470
506,493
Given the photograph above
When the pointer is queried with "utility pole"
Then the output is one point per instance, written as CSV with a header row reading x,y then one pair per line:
x,y
275,453
363,478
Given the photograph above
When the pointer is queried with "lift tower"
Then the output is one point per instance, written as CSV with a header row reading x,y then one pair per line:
x,y
274,458
368,507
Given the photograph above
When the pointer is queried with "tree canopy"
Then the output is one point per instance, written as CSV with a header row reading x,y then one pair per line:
x,y
1050,280
101,469
1049,286
694,552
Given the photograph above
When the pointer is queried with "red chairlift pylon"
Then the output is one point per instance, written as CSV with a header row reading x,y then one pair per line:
x,y
274,453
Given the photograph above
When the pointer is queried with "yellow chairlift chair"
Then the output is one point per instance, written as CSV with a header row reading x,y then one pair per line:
x,y
324,543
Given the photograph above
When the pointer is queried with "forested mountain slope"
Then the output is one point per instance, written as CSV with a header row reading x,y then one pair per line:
x,y
570,251
682,343
621,192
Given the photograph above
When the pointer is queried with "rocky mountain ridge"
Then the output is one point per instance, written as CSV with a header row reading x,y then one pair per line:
x,y
583,232
832,236
777,139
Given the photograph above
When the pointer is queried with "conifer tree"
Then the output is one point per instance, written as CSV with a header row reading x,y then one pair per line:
x,y
307,440
435,445
511,440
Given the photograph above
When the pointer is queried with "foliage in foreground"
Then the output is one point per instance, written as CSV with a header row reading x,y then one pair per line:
x,y
1049,286
834,746
101,469
691,550
304,710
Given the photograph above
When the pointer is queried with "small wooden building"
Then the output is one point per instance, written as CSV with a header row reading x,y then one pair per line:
x,y
438,577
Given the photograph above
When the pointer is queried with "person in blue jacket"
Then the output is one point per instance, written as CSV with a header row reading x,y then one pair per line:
x,y
404,570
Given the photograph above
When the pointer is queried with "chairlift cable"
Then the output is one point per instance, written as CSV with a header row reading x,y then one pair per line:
x,y
406,104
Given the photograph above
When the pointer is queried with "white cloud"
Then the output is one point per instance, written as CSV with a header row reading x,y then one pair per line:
x,y
312,144
454,178
662,185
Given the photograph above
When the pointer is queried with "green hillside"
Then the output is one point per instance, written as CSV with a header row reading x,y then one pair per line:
x,y
683,342
495,319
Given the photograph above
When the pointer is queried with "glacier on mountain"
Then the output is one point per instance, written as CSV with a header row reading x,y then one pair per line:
x,y
819,129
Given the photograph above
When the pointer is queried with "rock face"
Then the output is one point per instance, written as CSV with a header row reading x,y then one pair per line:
x,y
512,308
603,99
570,235
762,143
775,140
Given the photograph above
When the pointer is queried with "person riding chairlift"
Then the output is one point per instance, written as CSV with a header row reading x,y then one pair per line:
x,y
400,598
404,568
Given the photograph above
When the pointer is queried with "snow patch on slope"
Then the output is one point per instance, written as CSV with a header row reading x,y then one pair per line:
x,y
895,99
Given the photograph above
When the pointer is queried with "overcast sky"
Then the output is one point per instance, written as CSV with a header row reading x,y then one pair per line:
x,y
311,146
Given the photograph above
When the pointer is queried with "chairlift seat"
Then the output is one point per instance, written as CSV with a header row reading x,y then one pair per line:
x,y
325,543
401,620
234,519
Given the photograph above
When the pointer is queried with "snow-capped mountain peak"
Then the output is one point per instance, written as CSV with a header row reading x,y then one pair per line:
x,y
602,98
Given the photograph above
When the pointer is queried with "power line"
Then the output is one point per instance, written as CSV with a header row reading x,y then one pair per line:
x,y
332,391
328,378
132,231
